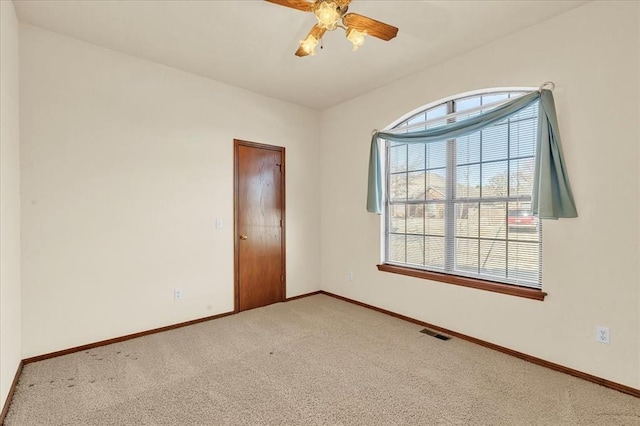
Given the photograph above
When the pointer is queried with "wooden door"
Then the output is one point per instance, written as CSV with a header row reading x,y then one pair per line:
x,y
259,225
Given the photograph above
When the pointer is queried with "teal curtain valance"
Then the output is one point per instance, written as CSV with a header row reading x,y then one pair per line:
x,y
552,197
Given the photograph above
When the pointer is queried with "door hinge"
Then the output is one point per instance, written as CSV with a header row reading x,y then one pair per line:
x,y
279,165
282,278
280,223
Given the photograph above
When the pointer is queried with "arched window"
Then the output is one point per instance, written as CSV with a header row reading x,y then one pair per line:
x,y
462,207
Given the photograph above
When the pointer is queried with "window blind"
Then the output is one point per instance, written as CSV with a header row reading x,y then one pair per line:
x,y
463,206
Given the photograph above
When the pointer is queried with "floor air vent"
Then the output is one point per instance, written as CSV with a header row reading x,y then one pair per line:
x,y
435,334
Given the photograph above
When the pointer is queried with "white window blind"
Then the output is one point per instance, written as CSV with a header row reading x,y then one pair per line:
x,y
463,206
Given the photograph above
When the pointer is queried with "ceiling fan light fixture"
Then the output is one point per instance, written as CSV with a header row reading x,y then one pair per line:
x,y
328,15
356,37
309,45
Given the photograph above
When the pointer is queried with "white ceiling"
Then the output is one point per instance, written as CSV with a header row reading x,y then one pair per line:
x,y
251,43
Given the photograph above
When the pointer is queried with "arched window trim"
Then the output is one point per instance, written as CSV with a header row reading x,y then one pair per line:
x,y
454,97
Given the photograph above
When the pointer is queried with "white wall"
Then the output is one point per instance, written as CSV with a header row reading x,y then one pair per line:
x,y
590,264
9,200
126,165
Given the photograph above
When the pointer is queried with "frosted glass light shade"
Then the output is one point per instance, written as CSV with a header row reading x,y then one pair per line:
x,y
327,15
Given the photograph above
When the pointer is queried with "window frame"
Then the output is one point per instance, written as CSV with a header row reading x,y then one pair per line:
x,y
445,277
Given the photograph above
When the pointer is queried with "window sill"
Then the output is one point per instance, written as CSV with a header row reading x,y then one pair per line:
x,y
511,290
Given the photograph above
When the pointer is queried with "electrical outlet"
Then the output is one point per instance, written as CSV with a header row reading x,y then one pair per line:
x,y
177,294
350,276
219,224
602,335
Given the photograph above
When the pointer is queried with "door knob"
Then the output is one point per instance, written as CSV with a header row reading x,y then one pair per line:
x,y
243,237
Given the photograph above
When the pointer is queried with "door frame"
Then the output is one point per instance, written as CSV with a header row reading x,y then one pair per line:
x,y
236,234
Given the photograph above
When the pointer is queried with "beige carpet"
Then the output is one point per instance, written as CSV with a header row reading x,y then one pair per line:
x,y
316,360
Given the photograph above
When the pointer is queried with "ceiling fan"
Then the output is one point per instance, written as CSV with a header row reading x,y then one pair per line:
x,y
329,13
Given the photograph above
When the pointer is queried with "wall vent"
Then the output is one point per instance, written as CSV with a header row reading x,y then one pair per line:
x,y
435,334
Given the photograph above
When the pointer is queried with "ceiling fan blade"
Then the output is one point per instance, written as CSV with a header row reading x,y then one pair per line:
x,y
371,26
302,5
317,32
301,53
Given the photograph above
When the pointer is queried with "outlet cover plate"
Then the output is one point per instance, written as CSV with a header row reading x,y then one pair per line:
x,y
603,335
